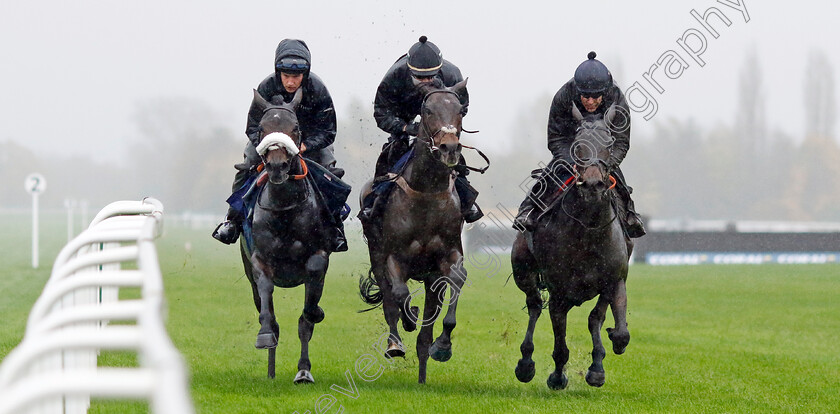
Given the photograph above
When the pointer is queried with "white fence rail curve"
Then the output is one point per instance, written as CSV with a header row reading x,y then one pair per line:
x,y
55,369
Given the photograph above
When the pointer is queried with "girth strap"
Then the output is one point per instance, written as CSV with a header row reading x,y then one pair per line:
x,y
414,193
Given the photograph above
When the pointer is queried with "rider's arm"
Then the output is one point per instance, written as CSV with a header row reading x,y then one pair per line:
x,y
322,129
561,124
384,108
252,128
620,127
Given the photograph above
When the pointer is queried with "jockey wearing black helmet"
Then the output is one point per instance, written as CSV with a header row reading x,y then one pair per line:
x,y
395,108
593,92
316,116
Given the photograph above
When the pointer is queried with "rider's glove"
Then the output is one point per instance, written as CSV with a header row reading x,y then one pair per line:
x,y
412,129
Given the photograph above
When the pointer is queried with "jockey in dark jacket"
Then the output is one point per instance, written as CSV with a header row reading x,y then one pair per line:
x,y
396,106
592,91
316,116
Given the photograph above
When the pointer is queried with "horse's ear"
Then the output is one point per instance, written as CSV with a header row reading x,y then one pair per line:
x,y
460,88
576,113
297,98
260,101
610,114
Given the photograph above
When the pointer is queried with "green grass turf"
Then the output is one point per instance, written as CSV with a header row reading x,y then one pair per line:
x,y
703,339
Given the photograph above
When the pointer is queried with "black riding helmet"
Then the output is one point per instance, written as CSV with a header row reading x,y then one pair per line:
x,y
592,77
424,58
292,56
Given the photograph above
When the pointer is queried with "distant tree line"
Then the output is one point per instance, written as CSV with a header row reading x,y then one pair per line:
x,y
185,158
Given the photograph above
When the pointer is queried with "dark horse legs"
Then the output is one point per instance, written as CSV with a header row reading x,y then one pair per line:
x,y
441,349
526,281
558,309
316,267
619,336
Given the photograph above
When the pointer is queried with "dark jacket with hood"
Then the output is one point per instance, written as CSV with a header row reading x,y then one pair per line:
x,y
562,125
398,101
316,114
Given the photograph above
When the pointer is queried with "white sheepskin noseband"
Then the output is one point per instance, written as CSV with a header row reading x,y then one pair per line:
x,y
275,140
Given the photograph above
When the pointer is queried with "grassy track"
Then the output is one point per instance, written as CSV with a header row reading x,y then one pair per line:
x,y
704,339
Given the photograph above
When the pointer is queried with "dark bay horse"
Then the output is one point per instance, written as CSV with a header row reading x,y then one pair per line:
x,y
290,239
419,236
578,251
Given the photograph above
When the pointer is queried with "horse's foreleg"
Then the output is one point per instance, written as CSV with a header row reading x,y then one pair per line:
x,y
431,309
526,280
619,336
391,310
267,336
558,309
399,291
454,275
316,267
595,375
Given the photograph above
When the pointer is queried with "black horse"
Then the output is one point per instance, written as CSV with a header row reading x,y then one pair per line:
x,y
419,236
578,251
291,243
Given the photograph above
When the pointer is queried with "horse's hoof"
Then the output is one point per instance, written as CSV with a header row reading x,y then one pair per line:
x,y
595,378
304,377
409,322
395,350
557,381
440,354
525,370
314,317
265,341
619,341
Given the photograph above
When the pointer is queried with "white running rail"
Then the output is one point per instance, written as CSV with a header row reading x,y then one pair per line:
x,y
54,369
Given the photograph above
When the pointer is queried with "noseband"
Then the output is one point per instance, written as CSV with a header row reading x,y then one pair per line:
x,y
303,165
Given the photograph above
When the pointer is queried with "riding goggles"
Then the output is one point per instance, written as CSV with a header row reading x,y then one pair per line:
x,y
591,95
294,65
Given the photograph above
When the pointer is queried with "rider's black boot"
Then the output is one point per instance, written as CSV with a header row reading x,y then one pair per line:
x,y
473,213
228,231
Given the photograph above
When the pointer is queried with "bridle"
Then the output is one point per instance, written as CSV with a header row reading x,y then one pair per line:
x,y
430,145
444,129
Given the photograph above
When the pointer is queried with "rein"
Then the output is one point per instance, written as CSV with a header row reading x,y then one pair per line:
x,y
264,177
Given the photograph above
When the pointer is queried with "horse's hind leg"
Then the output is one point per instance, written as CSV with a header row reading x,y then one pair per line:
x,y
595,376
558,309
619,336
526,281
316,267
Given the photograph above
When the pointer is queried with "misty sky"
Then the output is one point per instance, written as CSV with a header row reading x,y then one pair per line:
x,y
73,72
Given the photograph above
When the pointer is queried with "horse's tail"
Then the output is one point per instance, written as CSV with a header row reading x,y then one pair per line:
x,y
369,291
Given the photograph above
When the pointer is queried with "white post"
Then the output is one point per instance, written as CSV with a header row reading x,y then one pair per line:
x,y
69,204
84,207
35,184
34,230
